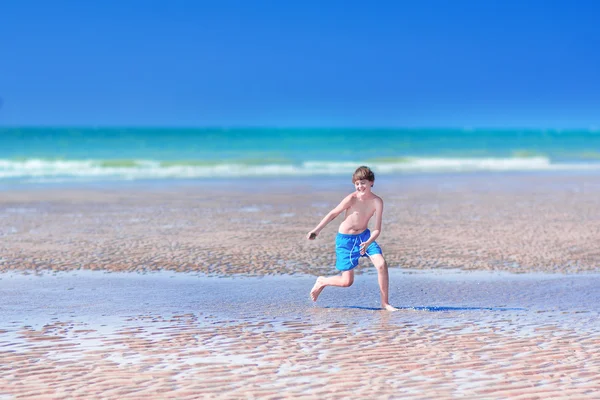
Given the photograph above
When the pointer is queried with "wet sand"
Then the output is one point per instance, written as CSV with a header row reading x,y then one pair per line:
x,y
201,290
180,335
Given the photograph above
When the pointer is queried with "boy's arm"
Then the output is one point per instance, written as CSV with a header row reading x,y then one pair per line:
x,y
331,215
377,228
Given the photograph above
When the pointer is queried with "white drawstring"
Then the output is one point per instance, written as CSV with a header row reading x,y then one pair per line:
x,y
350,256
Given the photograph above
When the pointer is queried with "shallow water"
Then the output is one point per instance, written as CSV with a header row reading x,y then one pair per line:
x,y
444,297
88,334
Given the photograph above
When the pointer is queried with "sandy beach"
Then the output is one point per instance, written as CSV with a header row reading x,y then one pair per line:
x,y
200,290
516,223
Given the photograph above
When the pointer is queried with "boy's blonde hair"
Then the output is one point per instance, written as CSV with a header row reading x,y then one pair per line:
x,y
363,172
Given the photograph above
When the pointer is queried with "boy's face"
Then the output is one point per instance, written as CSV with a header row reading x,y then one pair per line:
x,y
363,185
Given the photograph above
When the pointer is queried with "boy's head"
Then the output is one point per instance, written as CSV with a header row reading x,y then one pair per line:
x,y
363,172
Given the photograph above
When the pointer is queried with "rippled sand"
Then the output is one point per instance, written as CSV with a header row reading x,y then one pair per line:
x,y
458,334
493,222
180,360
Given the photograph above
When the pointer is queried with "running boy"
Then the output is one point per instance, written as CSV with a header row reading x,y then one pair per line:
x,y
354,240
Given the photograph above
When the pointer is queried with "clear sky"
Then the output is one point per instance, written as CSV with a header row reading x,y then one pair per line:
x,y
418,63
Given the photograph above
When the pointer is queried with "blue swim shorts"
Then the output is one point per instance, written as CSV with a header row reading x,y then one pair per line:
x,y
347,249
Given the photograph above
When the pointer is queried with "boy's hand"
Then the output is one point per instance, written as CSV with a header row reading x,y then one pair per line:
x,y
311,235
363,247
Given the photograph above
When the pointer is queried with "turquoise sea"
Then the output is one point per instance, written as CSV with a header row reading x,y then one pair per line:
x,y
40,155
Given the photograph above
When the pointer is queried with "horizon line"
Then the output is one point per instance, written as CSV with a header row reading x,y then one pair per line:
x,y
592,128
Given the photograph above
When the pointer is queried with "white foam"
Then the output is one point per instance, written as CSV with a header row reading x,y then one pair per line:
x,y
35,170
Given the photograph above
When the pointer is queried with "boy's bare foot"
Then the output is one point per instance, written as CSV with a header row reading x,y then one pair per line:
x,y
317,289
388,307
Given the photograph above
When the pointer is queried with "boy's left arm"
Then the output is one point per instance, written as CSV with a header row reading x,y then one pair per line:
x,y
377,228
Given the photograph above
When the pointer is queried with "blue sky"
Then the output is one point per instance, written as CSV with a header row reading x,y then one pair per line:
x,y
300,63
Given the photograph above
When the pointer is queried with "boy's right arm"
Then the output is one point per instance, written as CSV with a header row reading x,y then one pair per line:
x,y
331,215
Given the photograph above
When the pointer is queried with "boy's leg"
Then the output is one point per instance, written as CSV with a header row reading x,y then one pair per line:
x,y
344,280
383,279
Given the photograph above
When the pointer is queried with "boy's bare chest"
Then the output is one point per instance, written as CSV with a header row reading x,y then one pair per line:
x,y
361,208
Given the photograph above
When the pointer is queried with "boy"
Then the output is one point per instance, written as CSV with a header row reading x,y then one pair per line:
x,y
354,239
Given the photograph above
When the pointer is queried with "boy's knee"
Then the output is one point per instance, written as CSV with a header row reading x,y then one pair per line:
x,y
381,265
348,281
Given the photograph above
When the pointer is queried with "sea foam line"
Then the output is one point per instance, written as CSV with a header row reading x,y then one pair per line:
x,y
149,169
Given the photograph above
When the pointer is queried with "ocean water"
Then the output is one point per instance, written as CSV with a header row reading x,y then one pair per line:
x,y
43,155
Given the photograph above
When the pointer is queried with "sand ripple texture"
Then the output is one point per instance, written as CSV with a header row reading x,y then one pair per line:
x,y
471,334
458,334
506,222
191,356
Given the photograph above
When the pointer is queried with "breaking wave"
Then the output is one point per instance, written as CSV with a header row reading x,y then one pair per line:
x,y
39,169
